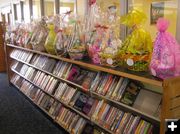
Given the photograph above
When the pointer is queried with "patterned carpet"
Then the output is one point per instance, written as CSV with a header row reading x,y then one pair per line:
x,y
19,116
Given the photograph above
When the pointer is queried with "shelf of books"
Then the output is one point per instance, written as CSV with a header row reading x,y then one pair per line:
x,y
81,97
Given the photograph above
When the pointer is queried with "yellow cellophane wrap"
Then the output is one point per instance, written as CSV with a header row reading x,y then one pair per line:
x,y
137,48
49,44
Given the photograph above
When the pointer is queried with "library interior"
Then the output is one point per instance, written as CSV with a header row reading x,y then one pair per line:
x,y
89,66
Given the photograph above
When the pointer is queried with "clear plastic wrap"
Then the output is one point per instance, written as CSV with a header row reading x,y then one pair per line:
x,y
76,47
103,36
40,33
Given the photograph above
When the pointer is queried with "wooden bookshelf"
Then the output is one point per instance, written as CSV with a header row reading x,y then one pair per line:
x,y
2,53
171,93
64,104
93,94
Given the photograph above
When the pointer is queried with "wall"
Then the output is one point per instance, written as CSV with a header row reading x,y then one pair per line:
x,y
170,13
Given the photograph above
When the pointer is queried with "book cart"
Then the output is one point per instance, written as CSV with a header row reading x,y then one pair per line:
x,y
170,108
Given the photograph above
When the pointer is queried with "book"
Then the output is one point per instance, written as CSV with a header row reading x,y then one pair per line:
x,y
134,125
91,112
107,85
73,73
49,66
69,95
112,86
88,80
87,108
112,117
130,94
122,89
52,86
49,84
117,121
66,71
81,101
123,123
40,78
97,109
61,89
101,111
101,118
103,79
56,68
137,131
80,78
45,81
128,125
115,92
74,99
95,82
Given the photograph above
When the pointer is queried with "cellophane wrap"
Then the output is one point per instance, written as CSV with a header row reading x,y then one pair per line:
x,y
76,46
136,50
102,38
52,25
40,33
165,60
64,33
111,43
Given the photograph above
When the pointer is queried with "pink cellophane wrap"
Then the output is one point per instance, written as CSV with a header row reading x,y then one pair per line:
x,y
165,60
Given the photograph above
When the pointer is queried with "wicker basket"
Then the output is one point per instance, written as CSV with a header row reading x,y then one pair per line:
x,y
135,62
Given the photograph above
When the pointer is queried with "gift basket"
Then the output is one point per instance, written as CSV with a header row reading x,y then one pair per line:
x,y
109,50
97,38
165,60
136,50
103,41
27,36
19,35
76,47
49,44
39,35
64,33
96,32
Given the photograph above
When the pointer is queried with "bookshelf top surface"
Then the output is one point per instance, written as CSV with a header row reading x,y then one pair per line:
x,y
139,76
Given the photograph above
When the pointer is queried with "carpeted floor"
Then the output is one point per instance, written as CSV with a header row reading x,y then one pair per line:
x,y
19,116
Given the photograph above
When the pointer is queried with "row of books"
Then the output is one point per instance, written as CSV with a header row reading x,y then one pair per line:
x,y
109,117
43,62
103,113
64,116
113,87
22,55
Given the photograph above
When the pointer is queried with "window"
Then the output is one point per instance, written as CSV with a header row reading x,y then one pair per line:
x,y
26,12
36,9
67,5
